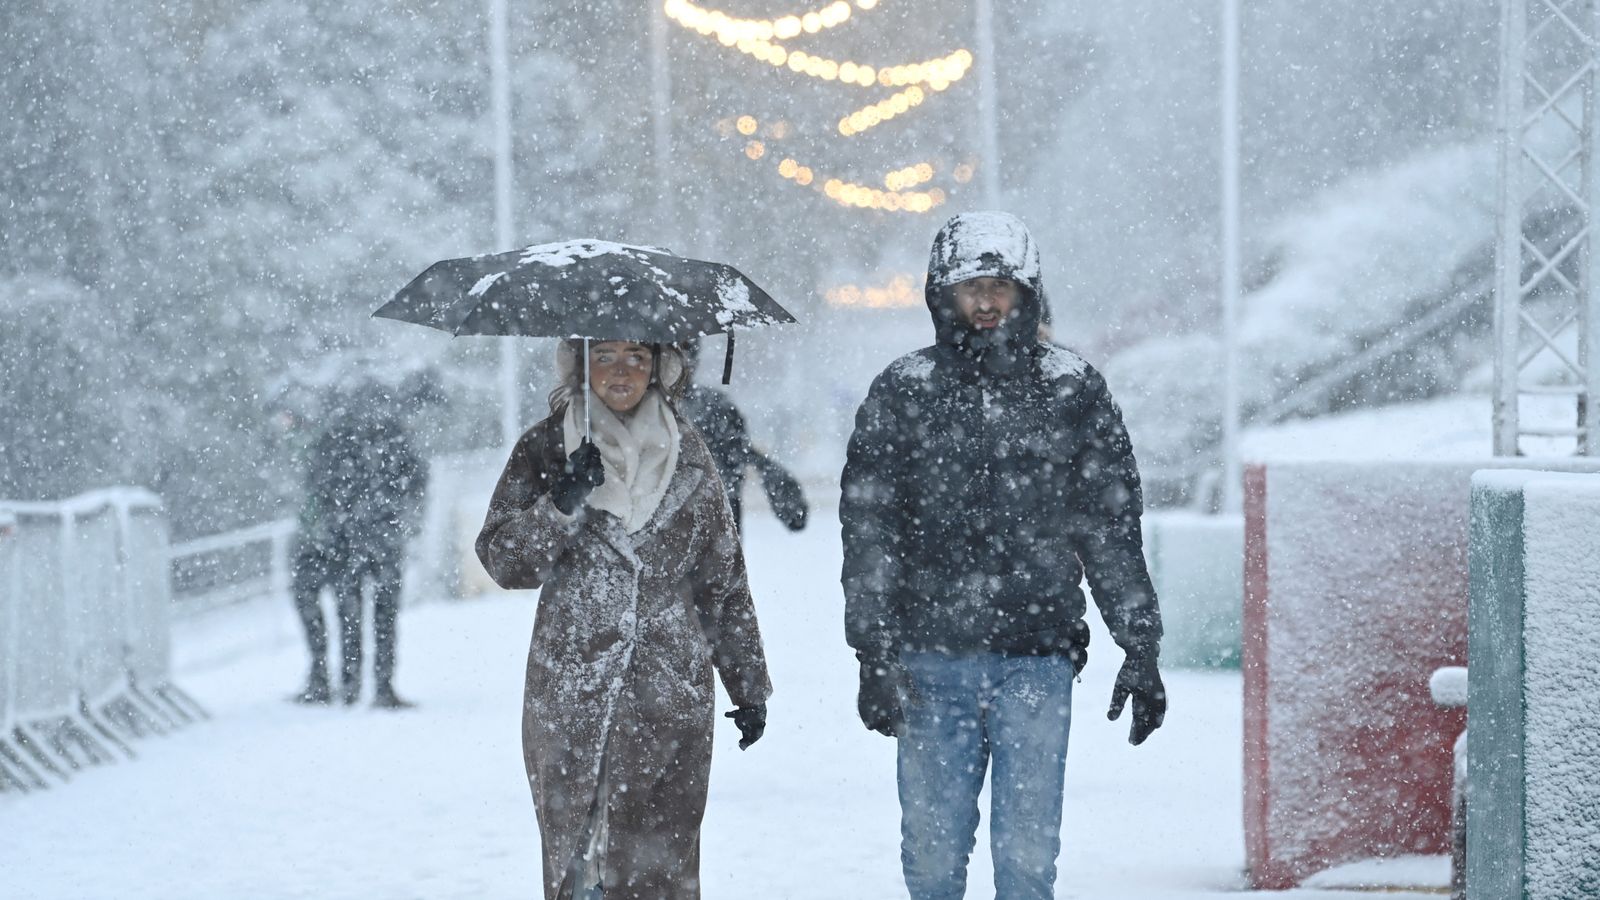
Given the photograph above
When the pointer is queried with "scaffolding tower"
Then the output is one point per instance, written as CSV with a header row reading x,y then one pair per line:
x,y
1547,262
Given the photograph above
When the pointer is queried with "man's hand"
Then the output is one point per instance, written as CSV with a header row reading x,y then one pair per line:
x,y
878,702
751,722
1141,680
582,473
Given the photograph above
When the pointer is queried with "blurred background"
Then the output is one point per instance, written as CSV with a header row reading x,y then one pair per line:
x,y
204,201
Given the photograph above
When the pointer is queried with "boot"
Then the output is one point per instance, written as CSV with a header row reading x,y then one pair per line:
x,y
385,698
350,691
316,692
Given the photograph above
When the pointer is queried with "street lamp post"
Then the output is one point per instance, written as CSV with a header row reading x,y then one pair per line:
x,y
660,121
1232,476
988,105
504,225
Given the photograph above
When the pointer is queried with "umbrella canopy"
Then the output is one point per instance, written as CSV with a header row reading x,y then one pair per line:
x,y
585,289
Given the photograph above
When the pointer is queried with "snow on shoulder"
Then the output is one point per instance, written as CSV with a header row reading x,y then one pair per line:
x,y
1059,362
916,366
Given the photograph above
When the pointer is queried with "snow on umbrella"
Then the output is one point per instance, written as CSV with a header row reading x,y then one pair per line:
x,y
590,289
585,289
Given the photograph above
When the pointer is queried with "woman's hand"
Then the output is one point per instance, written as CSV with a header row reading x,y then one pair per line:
x,y
582,473
751,721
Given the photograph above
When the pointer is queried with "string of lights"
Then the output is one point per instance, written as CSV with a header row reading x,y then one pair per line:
x,y
901,291
875,114
759,38
846,193
910,176
729,30
849,193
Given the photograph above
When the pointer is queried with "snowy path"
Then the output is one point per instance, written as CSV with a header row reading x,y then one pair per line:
x,y
275,801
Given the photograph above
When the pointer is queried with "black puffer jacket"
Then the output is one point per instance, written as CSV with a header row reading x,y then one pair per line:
x,y
985,475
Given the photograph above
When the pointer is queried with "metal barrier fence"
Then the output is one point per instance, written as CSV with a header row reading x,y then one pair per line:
x,y
84,604
231,568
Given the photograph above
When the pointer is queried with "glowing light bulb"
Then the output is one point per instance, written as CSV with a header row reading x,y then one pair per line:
x,y
755,149
746,125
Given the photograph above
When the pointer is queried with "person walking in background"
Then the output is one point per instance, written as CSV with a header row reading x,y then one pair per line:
x,y
643,594
985,476
364,484
727,436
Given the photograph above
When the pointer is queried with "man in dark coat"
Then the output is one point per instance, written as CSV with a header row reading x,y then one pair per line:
x,y
723,427
364,484
986,475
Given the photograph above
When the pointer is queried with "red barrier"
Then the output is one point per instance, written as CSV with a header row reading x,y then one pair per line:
x,y
1356,591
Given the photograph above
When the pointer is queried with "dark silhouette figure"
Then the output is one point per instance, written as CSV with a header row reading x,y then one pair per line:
x,y
364,482
719,421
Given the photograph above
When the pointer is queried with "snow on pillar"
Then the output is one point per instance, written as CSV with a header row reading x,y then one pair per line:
x,y
1533,757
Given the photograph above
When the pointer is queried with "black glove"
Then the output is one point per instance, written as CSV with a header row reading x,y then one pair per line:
x,y
582,473
1141,680
783,492
878,703
751,722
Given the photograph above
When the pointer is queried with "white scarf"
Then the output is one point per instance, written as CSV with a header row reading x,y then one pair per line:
x,y
639,453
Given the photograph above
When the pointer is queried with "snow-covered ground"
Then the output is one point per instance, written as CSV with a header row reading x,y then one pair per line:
x,y
271,800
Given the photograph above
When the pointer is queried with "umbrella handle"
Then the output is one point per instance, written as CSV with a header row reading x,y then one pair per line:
x,y
727,361
587,429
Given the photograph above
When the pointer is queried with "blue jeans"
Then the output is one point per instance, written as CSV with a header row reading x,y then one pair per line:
x,y
961,712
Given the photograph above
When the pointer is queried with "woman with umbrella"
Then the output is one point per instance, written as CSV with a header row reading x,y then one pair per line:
x,y
643,594
612,507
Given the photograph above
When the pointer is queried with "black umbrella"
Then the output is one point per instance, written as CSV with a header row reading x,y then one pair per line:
x,y
591,289
585,289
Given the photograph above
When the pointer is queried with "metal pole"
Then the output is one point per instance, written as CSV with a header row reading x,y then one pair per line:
x,y
1508,225
1232,476
988,105
660,121
588,395
1589,302
504,226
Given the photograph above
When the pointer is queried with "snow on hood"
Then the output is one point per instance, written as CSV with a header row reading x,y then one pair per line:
x,y
986,244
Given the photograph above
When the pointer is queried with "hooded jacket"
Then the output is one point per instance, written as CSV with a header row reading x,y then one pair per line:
x,y
986,475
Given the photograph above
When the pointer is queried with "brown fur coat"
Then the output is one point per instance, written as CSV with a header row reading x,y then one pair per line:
x,y
619,689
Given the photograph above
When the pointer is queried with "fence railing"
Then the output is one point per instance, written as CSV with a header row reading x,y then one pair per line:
x,y
84,606
232,567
